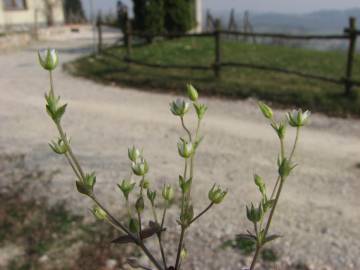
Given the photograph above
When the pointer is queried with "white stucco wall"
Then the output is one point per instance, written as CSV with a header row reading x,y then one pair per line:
x,y
1,14
198,15
35,11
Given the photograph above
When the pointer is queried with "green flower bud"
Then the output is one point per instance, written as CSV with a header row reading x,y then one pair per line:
x,y
266,110
200,110
192,92
260,183
185,148
285,168
58,147
183,253
48,59
134,225
54,110
86,187
184,185
99,213
179,107
139,205
151,196
168,193
144,183
254,214
187,216
298,118
216,194
280,129
126,187
134,153
90,179
140,167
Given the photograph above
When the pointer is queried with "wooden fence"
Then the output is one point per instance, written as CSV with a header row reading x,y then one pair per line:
x,y
350,34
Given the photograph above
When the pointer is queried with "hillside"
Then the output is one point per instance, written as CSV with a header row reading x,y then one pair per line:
x,y
323,21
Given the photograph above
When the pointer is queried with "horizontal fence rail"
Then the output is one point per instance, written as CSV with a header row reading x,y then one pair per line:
x,y
350,34
143,63
284,36
283,70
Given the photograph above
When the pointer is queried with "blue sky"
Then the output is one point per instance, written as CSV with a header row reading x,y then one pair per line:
x,y
283,6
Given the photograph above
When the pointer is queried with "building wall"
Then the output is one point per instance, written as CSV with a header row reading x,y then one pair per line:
x,y
34,13
198,15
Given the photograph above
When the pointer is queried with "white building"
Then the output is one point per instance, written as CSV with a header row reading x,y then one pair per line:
x,y
198,15
26,14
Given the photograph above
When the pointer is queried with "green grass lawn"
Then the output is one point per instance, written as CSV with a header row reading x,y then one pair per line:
x,y
280,89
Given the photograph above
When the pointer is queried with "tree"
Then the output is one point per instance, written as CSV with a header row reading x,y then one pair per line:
x,y
154,19
149,16
179,15
74,12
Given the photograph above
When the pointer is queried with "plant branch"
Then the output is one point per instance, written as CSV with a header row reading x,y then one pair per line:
x,y
185,128
162,251
180,247
201,213
295,143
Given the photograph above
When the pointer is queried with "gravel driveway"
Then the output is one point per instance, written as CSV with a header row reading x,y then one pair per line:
x,y
319,213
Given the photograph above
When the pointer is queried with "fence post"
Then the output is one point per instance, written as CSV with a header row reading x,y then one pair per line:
x,y
128,39
217,35
99,27
351,31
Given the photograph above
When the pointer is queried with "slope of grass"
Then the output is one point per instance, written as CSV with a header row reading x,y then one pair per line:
x,y
281,89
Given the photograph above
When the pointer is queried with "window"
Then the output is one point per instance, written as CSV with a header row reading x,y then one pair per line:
x,y
14,4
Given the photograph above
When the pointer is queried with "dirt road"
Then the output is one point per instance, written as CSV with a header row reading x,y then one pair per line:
x,y
318,215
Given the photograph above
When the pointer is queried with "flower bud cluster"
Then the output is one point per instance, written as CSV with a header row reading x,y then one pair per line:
x,y
86,186
216,194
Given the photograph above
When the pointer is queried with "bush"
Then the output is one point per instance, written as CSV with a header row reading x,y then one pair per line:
x,y
179,15
149,16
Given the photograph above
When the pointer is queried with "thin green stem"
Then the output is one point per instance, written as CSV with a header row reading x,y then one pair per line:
x,y
274,190
201,213
154,213
160,237
71,153
51,82
180,248
162,250
121,227
295,143
128,208
185,168
282,149
193,155
185,128
72,166
62,134
256,255
280,180
274,207
140,229
163,218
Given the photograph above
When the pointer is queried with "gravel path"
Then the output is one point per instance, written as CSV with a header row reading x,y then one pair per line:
x,y
318,215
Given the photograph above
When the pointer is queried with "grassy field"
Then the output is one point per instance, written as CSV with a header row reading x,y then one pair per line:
x,y
280,89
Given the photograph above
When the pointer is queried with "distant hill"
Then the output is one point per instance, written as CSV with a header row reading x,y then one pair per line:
x,y
324,21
